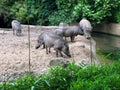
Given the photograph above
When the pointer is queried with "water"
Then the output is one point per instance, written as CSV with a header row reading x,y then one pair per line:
x,y
106,43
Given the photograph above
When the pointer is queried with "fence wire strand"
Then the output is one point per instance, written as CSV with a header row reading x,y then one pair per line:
x,y
91,59
29,54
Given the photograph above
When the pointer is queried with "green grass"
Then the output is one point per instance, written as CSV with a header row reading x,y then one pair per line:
x,y
73,77
111,55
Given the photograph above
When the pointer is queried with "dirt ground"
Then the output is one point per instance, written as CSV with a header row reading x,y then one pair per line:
x,y
14,52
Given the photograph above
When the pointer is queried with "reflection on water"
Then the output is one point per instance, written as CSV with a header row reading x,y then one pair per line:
x,y
106,43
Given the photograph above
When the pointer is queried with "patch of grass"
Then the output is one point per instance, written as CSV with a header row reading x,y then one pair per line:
x,y
73,77
22,83
112,55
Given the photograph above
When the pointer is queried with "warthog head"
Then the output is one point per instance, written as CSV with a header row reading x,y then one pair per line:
x,y
39,43
65,50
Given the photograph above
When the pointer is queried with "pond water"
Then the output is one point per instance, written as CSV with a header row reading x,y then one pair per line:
x,y
106,43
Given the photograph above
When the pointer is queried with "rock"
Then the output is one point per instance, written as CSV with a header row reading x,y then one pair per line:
x,y
59,61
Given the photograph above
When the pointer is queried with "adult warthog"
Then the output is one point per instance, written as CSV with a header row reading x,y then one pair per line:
x,y
68,31
58,43
40,40
72,31
16,27
85,25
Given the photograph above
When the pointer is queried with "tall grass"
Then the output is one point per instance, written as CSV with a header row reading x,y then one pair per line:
x,y
73,77
111,55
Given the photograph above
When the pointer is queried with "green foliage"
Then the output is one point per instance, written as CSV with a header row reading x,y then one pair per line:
x,y
25,11
23,83
97,78
45,9
58,78
36,12
52,12
63,12
82,77
117,17
4,14
96,10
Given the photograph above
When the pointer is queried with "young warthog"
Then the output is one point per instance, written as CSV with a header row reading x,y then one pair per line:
x,y
85,25
58,43
16,26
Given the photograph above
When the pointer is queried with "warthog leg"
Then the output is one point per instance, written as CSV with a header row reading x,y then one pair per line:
x,y
13,32
46,49
58,52
72,38
43,45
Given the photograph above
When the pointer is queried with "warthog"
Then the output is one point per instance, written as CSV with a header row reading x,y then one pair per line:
x,y
85,25
68,31
40,41
72,31
58,43
16,26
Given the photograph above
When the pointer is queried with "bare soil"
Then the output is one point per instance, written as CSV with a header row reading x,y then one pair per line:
x,y
14,52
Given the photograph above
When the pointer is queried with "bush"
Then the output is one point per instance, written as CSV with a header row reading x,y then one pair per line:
x,y
52,12
24,12
4,16
117,17
82,77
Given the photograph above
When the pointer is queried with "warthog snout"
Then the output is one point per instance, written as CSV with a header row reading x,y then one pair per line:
x,y
66,50
37,47
87,34
69,55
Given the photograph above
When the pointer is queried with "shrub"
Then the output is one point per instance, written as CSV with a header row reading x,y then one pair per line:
x,y
82,77
117,17
23,83
52,12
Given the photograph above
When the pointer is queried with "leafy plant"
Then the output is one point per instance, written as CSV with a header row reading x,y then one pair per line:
x,y
52,12
117,17
72,77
